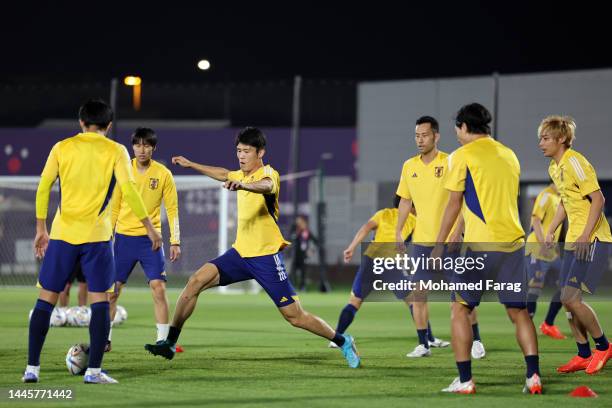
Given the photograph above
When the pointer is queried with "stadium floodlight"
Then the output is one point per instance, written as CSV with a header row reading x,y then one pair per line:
x,y
135,82
204,64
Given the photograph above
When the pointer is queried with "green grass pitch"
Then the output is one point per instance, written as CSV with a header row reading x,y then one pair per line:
x,y
240,352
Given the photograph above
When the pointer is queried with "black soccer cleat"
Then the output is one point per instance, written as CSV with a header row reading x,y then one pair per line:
x,y
162,348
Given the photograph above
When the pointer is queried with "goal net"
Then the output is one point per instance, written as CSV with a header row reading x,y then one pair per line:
x,y
207,215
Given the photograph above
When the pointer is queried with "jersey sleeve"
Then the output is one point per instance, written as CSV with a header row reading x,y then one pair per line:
x,y
115,206
125,179
377,217
584,175
403,189
47,178
270,173
457,171
540,205
235,175
171,203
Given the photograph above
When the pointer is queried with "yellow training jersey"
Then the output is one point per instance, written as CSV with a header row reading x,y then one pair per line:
x,y
88,166
487,172
575,179
154,185
424,185
544,208
258,233
386,220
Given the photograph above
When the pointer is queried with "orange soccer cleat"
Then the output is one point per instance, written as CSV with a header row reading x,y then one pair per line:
x,y
551,331
179,349
599,360
577,363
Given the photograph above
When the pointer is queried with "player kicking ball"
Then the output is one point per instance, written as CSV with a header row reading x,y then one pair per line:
x,y
88,167
256,252
587,244
155,184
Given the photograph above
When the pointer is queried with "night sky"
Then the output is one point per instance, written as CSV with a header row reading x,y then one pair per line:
x,y
64,41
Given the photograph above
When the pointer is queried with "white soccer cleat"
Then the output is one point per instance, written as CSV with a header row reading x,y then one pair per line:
x,y
332,345
438,343
458,387
478,350
419,351
533,385
100,378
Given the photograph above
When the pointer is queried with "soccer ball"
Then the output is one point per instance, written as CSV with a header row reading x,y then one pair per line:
x,y
120,316
77,359
58,317
78,316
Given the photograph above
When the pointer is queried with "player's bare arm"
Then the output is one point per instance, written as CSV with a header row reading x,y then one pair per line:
x,y
41,241
263,186
560,215
584,240
453,208
359,236
217,173
403,209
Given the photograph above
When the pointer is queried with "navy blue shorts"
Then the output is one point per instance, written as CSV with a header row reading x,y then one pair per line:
x,y
77,274
503,268
132,249
363,283
586,274
61,258
427,274
268,270
539,271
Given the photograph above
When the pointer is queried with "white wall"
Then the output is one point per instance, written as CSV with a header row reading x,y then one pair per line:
x,y
388,110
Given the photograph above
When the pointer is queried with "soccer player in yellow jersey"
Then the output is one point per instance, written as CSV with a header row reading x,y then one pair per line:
x,y
155,184
383,223
89,166
421,187
485,174
588,241
543,261
256,252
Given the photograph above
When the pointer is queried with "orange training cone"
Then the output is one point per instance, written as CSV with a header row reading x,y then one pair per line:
x,y
583,392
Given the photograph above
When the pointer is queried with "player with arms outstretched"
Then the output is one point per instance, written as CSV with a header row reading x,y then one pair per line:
x,y
255,253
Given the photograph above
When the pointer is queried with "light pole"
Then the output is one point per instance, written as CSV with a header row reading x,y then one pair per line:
x,y
324,285
135,82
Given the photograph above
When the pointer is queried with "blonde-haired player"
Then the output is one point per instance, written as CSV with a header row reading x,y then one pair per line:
x,y
588,241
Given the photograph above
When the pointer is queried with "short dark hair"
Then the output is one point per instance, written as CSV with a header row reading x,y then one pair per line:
x,y
146,135
96,112
476,117
396,201
251,136
432,122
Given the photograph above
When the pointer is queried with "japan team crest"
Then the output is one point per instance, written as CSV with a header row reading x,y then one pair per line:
x,y
439,171
153,183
